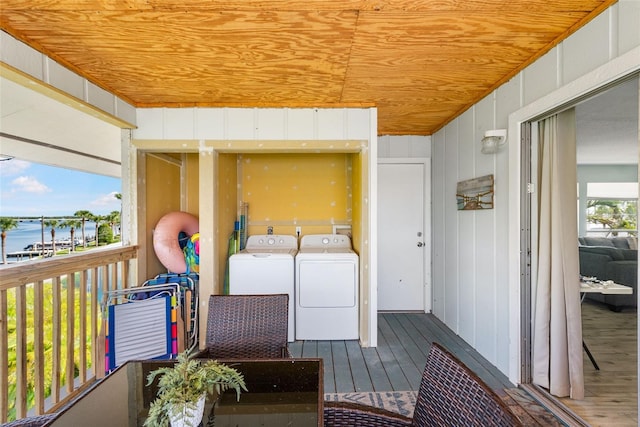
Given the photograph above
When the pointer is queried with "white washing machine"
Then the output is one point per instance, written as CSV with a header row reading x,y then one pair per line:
x,y
266,266
326,288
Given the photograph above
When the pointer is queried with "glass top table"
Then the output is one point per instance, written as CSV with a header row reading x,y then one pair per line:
x,y
281,392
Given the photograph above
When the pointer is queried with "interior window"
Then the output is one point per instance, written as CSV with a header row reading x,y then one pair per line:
x,y
612,209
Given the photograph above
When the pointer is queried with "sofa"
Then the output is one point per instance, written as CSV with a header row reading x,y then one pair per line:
x,y
611,258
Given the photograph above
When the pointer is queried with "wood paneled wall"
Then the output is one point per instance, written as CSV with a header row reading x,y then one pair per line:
x,y
476,260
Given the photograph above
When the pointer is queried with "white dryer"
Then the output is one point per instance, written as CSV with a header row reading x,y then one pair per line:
x,y
326,288
266,266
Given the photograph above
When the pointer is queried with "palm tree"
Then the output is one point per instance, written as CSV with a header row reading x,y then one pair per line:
x,y
113,219
98,219
72,223
41,236
119,197
53,223
6,224
84,216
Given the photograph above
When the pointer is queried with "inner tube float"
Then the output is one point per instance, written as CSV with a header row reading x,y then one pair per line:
x,y
166,242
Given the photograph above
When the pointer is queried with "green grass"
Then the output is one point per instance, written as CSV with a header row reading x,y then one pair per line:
x,y
48,335
48,292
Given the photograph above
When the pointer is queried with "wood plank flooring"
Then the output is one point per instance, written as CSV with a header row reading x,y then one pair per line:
x,y
404,340
611,394
396,364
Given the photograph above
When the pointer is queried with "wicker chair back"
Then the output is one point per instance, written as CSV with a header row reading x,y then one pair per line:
x,y
33,421
452,395
247,326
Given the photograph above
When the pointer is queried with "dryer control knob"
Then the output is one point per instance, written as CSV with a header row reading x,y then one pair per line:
x,y
271,241
325,240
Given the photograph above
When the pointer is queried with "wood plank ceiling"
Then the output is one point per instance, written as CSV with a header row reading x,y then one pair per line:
x,y
420,62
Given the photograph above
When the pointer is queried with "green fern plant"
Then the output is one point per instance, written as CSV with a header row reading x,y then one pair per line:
x,y
182,384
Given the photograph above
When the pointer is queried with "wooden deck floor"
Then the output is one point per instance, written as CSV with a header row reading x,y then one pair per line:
x,y
404,340
396,364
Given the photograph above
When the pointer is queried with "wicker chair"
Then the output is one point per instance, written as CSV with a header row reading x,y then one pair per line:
x,y
450,395
247,327
34,421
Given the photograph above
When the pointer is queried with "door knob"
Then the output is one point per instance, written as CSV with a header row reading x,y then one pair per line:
x,y
420,244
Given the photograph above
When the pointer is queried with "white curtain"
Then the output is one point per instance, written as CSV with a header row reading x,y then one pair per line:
x,y
557,323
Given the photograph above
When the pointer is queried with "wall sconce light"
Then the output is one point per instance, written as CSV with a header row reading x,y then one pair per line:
x,y
493,140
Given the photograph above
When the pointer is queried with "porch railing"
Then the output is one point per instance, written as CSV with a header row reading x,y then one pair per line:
x,y
50,327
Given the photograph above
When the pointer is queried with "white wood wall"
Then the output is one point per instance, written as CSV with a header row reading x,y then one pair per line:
x,y
405,146
39,66
255,124
475,281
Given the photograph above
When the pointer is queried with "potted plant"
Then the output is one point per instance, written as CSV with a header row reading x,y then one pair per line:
x,y
183,388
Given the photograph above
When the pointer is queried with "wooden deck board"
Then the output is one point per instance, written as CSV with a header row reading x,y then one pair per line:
x,y
391,365
359,371
404,341
410,340
396,364
324,351
429,324
377,372
342,368
391,331
419,340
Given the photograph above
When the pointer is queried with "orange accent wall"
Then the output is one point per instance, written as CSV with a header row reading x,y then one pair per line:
x,y
313,191
227,190
308,184
191,181
162,195
357,209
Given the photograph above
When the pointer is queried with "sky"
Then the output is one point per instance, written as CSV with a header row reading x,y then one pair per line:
x,y
32,189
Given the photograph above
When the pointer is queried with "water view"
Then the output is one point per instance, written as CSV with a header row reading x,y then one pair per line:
x,y
30,190
30,231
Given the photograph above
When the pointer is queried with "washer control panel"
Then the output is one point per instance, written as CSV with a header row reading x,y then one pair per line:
x,y
272,241
327,241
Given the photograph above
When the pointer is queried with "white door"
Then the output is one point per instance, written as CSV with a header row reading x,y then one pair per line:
x,y
403,241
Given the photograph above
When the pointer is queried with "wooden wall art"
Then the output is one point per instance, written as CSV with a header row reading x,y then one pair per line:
x,y
476,193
